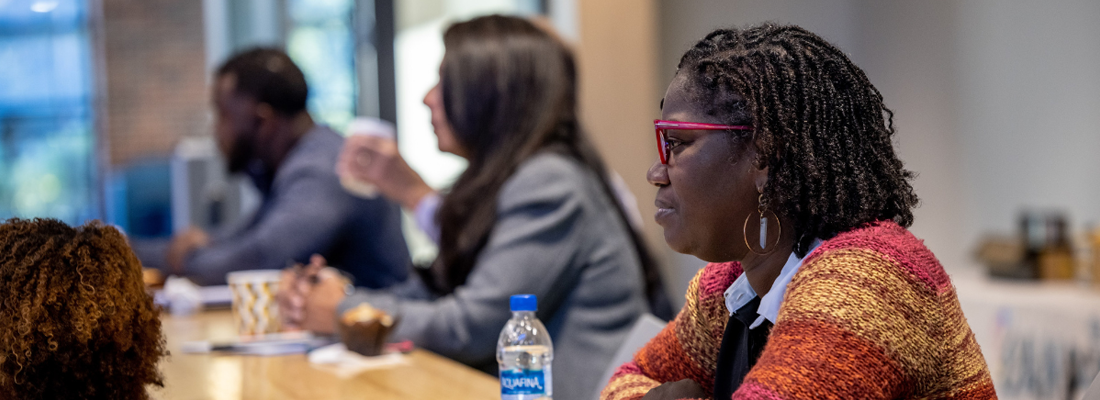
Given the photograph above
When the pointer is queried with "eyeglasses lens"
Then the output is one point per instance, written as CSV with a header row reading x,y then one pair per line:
x,y
662,145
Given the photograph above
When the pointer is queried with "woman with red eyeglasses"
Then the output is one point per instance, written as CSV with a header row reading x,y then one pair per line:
x,y
776,165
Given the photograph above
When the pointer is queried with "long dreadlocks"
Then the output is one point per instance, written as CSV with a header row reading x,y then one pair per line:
x,y
820,127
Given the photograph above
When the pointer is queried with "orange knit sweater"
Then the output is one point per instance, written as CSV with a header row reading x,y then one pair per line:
x,y
871,314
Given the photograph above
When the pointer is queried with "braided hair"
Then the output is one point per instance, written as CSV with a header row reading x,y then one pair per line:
x,y
819,125
75,320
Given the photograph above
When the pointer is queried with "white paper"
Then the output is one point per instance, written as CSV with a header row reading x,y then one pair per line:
x,y
337,359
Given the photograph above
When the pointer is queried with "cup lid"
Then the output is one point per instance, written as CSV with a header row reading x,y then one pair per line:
x,y
371,126
256,275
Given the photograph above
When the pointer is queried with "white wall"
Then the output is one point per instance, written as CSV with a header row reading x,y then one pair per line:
x,y
908,50
683,22
1029,101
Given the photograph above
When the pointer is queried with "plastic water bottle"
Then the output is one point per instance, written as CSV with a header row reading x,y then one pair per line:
x,y
524,352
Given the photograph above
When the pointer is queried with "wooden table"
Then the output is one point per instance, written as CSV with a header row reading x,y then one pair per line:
x,y
206,376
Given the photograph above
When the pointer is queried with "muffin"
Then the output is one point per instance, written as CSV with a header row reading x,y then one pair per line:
x,y
364,329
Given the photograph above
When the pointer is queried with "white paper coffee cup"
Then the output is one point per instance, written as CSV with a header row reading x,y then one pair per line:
x,y
255,310
369,126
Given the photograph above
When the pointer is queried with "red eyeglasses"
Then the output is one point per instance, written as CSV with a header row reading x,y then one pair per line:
x,y
662,140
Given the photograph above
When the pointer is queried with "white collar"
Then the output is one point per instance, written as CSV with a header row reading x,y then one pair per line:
x,y
741,293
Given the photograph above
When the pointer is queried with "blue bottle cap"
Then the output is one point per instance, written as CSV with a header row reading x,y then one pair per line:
x,y
524,302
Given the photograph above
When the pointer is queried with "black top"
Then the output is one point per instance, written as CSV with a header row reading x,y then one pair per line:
x,y
740,349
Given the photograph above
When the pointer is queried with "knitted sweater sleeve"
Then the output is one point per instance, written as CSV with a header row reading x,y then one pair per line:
x,y
687,348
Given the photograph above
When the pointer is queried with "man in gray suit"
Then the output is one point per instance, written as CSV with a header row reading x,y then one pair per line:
x,y
264,131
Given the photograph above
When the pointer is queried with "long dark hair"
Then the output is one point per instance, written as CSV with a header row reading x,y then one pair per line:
x,y
509,91
821,127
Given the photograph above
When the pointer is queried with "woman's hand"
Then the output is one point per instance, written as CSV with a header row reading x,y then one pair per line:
x,y
295,285
375,160
308,296
681,389
326,293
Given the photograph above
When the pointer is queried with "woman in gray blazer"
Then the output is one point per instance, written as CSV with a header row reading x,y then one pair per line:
x,y
533,213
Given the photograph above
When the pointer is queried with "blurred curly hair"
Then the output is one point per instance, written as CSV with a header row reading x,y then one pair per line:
x,y
819,125
75,320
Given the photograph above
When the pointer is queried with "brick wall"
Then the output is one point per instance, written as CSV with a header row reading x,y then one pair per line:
x,y
156,77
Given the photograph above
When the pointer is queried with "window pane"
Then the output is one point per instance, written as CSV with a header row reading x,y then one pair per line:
x,y
38,69
314,11
320,42
41,15
48,168
47,144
